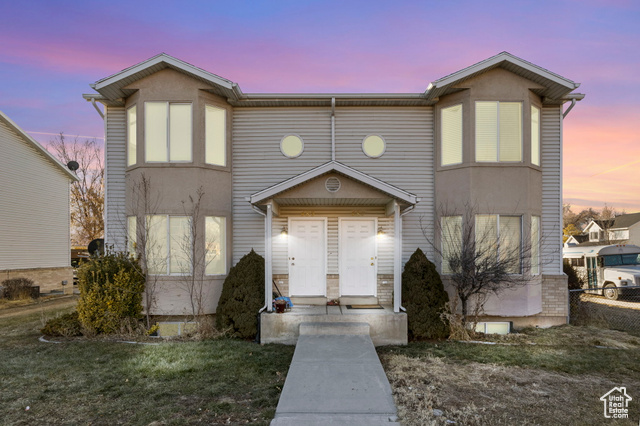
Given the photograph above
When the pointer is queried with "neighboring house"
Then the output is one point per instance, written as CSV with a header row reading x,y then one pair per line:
x,y
35,238
335,190
623,229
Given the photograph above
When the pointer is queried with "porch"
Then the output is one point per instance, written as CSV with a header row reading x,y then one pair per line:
x,y
386,327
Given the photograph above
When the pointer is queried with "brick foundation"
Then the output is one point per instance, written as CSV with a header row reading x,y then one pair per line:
x,y
47,278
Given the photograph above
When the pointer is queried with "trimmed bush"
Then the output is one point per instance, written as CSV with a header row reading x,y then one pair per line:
x,y
17,288
111,288
424,298
242,297
67,325
575,282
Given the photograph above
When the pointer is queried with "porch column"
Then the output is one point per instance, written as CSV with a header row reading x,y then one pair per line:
x,y
397,258
268,276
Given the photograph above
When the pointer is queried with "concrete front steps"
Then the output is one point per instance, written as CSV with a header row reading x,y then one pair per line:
x,y
385,326
335,378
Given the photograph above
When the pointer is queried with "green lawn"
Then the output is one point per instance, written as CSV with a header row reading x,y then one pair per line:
x,y
106,383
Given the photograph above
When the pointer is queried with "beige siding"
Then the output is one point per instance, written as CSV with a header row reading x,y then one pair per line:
x,y
258,162
407,162
115,161
551,139
34,207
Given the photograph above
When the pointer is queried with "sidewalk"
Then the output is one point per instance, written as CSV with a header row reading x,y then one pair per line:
x,y
335,380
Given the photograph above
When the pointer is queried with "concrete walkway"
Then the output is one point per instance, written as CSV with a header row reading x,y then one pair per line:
x,y
335,378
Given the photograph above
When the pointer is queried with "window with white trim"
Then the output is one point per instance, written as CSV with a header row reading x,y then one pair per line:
x,y
535,245
535,135
451,227
132,236
215,135
132,126
215,245
500,237
168,132
169,245
451,135
498,131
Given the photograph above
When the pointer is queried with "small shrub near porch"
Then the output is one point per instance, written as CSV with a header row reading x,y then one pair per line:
x,y
424,298
242,297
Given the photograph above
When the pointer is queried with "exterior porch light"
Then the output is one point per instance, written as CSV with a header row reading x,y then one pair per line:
x,y
380,231
284,231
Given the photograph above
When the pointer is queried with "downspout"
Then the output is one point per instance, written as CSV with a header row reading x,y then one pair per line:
x,y
406,211
93,102
333,129
266,303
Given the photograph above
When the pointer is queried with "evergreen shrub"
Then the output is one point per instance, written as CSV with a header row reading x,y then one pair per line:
x,y
67,325
575,281
111,288
242,297
424,298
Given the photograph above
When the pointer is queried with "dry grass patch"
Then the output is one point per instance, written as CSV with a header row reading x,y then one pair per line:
x,y
481,394
538,376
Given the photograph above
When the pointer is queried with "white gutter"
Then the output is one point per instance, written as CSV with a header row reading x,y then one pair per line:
x,y
333,129
574,98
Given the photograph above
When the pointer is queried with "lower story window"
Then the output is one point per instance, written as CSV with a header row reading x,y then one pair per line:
x,y
451,227
215,253
169,245
499,237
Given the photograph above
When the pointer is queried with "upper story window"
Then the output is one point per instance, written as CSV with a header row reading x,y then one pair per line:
x,y
168,130
373,146
535,135
498,131
132,128
451,132
215,135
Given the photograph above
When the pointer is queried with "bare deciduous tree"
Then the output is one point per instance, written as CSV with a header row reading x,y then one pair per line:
x,y
482,257
87,195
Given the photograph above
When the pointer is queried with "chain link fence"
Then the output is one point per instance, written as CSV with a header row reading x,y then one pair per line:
x,y
614,308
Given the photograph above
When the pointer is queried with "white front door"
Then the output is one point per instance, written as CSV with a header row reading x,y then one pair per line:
x,y
358,261
307,254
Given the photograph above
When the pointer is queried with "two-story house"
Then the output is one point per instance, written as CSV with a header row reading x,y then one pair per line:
x,y
337,190
35,240
622,229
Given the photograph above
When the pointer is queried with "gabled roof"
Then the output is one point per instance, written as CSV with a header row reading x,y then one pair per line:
x,y
111,88
334,166
555,89
33,143
625,220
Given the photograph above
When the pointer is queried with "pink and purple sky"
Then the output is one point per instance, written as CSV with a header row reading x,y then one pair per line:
x,y
50,51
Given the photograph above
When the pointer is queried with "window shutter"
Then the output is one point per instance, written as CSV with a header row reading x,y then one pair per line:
x,y
510,128
486,131
451,135
535,136
131,135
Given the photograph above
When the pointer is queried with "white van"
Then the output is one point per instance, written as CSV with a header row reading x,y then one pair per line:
x,y
608,269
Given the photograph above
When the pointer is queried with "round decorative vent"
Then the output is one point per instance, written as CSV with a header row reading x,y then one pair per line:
x,y
332,184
